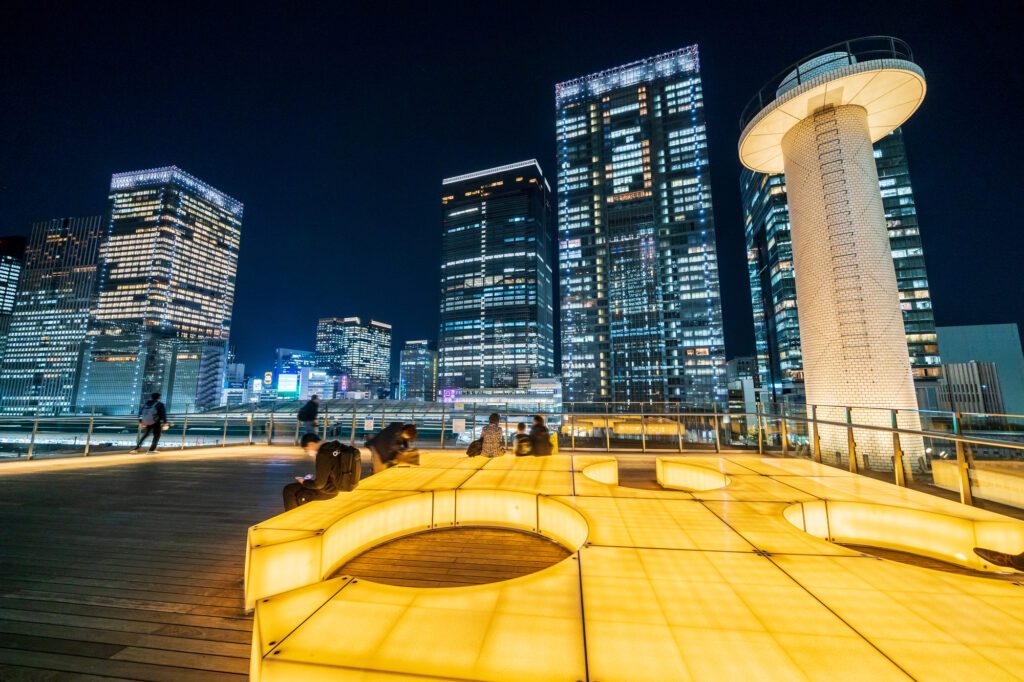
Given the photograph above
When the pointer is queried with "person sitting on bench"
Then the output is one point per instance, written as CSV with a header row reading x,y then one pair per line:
x,y
330,473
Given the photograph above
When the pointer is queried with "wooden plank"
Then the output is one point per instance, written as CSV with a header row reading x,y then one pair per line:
x,y
141,615
111,667
184,660
123,639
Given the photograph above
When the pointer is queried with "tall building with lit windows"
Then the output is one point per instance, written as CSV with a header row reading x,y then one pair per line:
x,y
641,312
166,291
773,285
357,353
497,315
418,372
50,316
12,260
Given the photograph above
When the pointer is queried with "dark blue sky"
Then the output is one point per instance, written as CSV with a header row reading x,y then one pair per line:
x,y
334,123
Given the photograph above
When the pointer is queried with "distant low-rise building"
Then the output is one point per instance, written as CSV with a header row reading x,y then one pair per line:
x,y
970,387
995,343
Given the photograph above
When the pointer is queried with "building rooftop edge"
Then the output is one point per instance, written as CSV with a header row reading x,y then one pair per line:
x,y
153,176
494,171
665,56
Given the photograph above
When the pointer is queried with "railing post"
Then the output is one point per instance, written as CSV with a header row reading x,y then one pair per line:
x,y
472,434
897,454
607,435
851,444
817,439
32,441
444,409
504,436
962,467
324,437
643,429
184,429
270,427
760,429
679,425
252,421
785,431
718,442
352,434
88,436
224,436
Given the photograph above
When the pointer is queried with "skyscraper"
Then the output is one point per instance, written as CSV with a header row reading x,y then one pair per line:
x,y
51,316
167,287
497,315
12,259
641,313
418,372
773,285
357,352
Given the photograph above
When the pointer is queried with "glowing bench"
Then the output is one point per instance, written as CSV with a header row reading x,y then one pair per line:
x,y
704,584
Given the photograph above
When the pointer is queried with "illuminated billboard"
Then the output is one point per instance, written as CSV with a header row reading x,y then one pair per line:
x,y
287,383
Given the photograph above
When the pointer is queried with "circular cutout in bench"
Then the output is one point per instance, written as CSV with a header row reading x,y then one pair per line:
x,y
455,557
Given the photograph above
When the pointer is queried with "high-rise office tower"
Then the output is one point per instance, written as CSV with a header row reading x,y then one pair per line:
x,y
497,315
418,372
641,313
12,259
357,352
773,286
51,316
167,286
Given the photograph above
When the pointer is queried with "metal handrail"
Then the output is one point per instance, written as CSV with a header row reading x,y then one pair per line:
x,y
898,49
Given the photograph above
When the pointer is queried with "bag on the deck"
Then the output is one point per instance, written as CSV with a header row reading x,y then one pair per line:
x,y
475,448
407,457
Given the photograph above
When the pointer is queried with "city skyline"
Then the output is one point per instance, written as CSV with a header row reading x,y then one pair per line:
x,y
274,270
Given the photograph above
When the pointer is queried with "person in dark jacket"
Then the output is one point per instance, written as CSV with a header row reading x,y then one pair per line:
x,y
153,416
322,486
540,438
521,441
391,441
307,415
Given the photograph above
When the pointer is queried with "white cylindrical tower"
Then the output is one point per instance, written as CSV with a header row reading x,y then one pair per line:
x,y
819,130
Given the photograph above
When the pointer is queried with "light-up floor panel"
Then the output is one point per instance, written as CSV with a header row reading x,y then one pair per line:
x,y
734,582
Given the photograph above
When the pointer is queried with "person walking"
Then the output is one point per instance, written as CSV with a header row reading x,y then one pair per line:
x,y
490,437
153,416
540,438
307,415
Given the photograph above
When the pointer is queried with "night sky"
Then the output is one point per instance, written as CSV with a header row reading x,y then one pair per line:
x,y
335,123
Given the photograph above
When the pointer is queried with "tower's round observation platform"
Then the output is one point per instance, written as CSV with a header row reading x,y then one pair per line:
x,y
877,73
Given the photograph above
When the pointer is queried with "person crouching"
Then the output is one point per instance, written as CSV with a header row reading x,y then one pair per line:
x,y
337,469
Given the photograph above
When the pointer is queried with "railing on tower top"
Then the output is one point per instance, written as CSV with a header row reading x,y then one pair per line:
x,y
847,52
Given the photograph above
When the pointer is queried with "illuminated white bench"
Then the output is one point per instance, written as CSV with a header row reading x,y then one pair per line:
x,y
941,536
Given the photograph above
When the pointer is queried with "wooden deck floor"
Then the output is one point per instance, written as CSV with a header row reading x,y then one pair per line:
x,y
455,556
132,571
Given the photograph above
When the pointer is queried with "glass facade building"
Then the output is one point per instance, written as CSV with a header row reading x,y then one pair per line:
x,y
357,352
50,318
641,311
12,259
167,286
497,314
418,372
773,286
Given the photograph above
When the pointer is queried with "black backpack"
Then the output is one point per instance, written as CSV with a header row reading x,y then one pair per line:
x,y
349,466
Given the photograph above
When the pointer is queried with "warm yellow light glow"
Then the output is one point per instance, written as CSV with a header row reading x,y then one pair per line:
x,y
676,474
735,582
997,481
